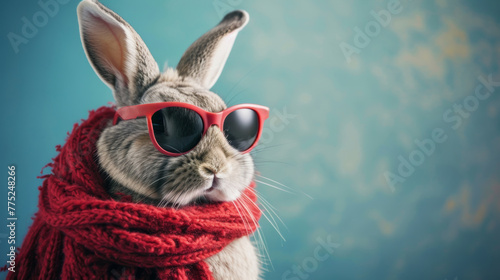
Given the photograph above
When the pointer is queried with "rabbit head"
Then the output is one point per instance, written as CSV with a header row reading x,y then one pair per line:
x,y
213,170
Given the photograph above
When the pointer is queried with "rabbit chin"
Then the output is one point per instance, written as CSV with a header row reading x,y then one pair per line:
x,y
221,189
208,192
222,194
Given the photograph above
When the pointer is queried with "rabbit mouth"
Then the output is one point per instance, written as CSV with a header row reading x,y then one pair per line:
x,y
217,192
215,184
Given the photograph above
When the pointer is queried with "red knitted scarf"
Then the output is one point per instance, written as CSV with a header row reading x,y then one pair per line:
x,y
79,232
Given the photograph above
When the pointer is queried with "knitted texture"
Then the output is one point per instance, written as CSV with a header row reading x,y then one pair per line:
x,y
80,232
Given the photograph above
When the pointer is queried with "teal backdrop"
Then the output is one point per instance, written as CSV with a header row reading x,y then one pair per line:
x,y
384,127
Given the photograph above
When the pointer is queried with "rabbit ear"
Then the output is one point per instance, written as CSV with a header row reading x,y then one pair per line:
x,y
206,57
116,52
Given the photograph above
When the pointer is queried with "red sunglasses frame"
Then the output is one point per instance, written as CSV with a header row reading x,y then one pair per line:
x,y
209,118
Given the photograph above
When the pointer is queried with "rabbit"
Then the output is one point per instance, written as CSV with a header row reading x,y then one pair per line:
x,y
124,151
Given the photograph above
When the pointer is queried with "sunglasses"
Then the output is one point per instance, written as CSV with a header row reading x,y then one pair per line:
x,y
175,128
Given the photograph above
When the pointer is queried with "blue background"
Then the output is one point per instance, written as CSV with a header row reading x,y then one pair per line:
x,y
349,121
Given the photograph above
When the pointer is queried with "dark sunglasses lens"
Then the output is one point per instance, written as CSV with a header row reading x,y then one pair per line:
x,y
241,128
177,130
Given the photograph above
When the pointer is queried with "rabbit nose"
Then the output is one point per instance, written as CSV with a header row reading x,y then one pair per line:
x,y
208,170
